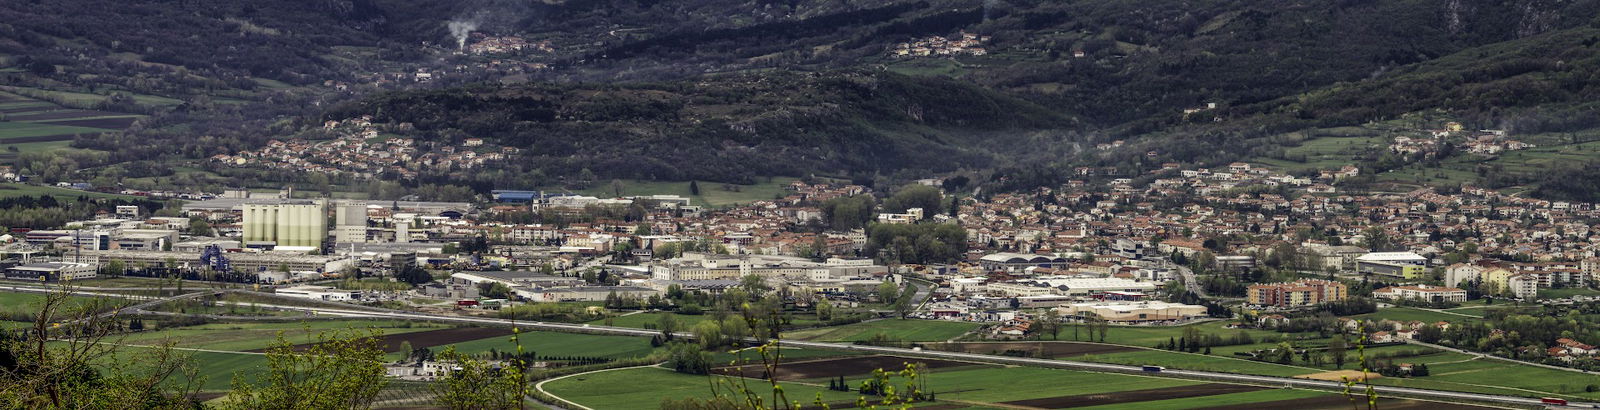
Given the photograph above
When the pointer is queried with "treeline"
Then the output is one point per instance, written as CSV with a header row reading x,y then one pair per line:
x,y
47,212
917,243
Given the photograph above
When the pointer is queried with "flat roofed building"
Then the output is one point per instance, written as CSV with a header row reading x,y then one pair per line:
x,y
1422,292
516,279
1295,294
584,293
246,262
51,271
1133,312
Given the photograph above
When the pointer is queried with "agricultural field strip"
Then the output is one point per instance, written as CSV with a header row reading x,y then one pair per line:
x,y
1049,363
188,349
1109,368
540,386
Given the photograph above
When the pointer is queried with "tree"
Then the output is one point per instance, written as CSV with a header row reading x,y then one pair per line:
x,y
494,290
916,196
847,213
1336,349
888,292
905,303
708,333
688,358
668,324
754,284
344,370
113,268
824,310
199,227
1284,353
616,187
477,384
39,370
694,188
1051,323
1376,239
414,275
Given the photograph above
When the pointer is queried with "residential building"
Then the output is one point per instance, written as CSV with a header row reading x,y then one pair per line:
x,y
1422,292
1295,294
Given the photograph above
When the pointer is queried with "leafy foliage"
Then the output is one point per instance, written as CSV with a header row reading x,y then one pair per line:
x,y
344,370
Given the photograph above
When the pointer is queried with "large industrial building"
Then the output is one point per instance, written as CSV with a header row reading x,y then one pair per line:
x,y
296,224
1133,312
51,271
241,261
350,221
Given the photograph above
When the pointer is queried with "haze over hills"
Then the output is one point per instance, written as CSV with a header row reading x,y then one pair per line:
x,y
1080,73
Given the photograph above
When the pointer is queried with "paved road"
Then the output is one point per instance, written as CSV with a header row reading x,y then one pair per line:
x,y
1490,356
540,385
1189,282
972,357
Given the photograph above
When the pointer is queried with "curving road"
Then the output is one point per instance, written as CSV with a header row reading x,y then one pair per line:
x,y
972,357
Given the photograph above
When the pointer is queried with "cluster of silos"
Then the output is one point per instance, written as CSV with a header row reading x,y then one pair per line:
x,y
286,224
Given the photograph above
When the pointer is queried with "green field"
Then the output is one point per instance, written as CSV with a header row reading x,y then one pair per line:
x,y
1407,314
142,282
19,305
898,329
650,319
561,344
711,193
1190,361
1328,148
252,336
989,387
12,189
644,388
1566,292
1496,373
1000,384
1150,336
10,130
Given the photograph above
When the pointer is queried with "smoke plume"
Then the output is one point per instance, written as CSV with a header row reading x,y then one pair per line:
x,y
460,29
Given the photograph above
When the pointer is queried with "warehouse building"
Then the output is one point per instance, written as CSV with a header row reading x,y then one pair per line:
x,y
51,271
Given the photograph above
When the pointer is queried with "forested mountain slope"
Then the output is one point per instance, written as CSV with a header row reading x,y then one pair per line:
x,y
735,127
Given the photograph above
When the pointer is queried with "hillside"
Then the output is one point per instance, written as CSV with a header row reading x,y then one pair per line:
x,y
733,128
706,89
1538,89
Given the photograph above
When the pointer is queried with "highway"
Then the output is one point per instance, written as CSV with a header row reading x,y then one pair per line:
x,y
1388,391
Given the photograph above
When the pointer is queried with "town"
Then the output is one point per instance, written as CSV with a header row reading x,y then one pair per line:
x,y
1245,244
